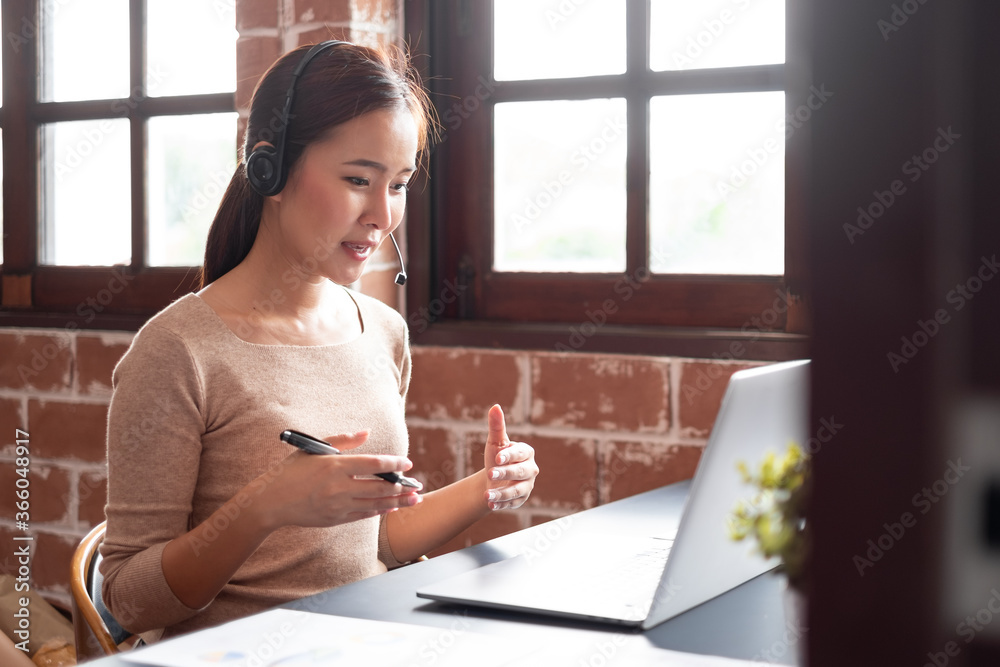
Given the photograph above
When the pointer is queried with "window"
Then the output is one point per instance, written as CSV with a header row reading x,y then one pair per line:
x,y
120,130
610,172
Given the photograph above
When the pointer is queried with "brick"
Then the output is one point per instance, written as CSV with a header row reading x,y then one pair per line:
x,y
371,38
8,562
93,496
436,461
460,383
702,386
251,14
475,448
48,489
378,12
322,34
96,358
567,476
10,420
254,55
603,392
68,430
628,468
50,565
323,11
35,361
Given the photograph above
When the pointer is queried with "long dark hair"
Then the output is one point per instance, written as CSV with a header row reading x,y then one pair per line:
x,y
340,84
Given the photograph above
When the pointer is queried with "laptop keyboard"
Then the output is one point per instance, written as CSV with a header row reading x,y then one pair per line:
x,y
635,572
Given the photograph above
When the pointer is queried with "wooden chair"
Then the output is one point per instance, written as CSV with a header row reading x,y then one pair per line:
x,y
96,631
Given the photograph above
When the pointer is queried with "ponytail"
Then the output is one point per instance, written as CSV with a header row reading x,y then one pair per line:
x,y
234,228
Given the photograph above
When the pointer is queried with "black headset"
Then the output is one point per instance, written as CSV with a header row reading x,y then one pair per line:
x,y
265,165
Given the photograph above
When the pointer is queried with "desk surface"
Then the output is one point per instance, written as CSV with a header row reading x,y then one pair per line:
x,y
746,623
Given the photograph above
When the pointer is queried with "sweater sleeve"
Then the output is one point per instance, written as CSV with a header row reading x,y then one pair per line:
x,y
155,424
385,554
404,365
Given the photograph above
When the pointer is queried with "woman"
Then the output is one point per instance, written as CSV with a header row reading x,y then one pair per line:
x,y
210,516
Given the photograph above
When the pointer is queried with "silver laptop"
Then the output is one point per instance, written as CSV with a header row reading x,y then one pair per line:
x,y
643,580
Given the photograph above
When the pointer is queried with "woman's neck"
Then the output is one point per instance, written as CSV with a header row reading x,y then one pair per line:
x,y
263,301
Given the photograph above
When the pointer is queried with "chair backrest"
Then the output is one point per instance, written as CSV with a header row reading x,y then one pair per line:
x,y
97,632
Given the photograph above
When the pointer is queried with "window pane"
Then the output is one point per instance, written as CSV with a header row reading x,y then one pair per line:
x,y
716,33
549,40
206,59
87,203
717,183
191,160
86,50
559,193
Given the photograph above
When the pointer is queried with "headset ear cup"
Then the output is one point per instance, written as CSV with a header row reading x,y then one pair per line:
x,y
263,171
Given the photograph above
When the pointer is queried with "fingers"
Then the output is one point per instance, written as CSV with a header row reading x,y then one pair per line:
x,y
515,472
513,478
369,464
509,497
516,462
497,428
515,453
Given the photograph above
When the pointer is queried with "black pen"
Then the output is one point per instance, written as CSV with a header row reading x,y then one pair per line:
x,y
312,445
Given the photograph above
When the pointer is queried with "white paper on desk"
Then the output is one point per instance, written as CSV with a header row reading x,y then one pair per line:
x,y
287,638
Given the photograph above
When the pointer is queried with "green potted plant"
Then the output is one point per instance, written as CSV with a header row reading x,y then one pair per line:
x,y
775,516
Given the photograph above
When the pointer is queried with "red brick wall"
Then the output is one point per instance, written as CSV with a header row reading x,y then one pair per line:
x,y
56,386
603,427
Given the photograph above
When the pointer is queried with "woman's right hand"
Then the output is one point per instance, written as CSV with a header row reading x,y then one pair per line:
x,y
316,490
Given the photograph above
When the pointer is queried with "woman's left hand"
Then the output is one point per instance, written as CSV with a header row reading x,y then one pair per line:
x,y
510,466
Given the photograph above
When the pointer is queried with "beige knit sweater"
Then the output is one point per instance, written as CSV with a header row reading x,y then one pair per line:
x,y
196,415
